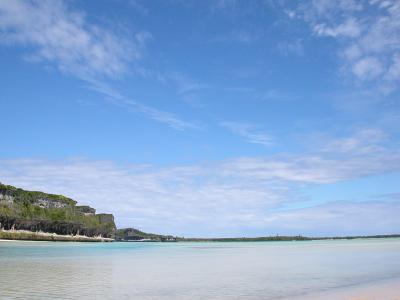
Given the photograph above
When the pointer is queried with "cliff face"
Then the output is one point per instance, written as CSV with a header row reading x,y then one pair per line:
x,y
38,211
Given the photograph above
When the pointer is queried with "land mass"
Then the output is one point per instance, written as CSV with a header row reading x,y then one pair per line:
x,y
33,215
135,235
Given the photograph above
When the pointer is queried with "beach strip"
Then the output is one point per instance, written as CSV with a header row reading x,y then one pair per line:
x,y
46,236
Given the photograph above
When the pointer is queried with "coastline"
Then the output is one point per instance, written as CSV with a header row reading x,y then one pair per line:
x,y
25,235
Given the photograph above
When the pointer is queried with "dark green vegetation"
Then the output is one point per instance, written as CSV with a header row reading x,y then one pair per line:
x,y
284,238
38,211
248,239
132,234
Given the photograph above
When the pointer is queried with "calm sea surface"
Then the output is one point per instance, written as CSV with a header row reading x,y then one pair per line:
x,y
261,270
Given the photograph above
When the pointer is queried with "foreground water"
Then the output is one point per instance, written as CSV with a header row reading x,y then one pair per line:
x,y
259,270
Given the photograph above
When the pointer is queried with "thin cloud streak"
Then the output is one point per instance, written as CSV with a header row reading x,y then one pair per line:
x,y
248,132
115,97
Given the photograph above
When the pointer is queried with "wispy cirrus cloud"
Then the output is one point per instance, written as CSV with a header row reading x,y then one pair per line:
x,y
58,35
248,132
367,140
53,33
224,197
184,84
369,42
349,28
161,116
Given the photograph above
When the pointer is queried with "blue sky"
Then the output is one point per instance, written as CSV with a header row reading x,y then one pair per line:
x,y
207,118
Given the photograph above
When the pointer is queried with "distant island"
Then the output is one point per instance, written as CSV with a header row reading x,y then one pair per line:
x,y
33,215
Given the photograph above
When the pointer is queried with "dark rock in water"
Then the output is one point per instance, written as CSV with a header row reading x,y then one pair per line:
x,y
38,211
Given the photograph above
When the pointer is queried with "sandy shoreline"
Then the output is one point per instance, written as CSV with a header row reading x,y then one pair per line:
x,y
25,235
388,289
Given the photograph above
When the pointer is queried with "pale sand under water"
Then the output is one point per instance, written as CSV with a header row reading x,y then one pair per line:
x,y
351,270
384,290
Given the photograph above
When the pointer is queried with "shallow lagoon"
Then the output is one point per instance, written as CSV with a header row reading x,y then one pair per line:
x,y
246,270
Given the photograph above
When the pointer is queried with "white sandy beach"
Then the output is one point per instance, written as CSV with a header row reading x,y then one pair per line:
x,y
46,236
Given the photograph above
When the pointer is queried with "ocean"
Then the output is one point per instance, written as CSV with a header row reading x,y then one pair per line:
x,y
203,270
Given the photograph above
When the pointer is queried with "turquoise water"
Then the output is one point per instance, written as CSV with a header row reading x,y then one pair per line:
x,y
261,270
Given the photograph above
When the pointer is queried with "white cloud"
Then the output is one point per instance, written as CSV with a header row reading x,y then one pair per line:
x,y
220,197
152,198
248,132
339,218
364,141
350,28
368,35
63,37
368,68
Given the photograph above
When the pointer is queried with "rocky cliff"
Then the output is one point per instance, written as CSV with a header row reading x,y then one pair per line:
x,y
38,211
